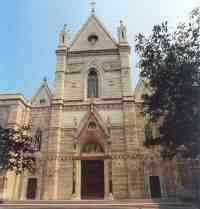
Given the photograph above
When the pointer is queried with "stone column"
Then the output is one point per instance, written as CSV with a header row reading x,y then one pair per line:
x,y
78,180
106,179
110,181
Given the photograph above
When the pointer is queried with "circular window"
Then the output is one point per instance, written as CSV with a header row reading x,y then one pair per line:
x,y
93,39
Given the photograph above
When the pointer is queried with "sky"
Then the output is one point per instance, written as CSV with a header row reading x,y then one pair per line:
x,y
29,33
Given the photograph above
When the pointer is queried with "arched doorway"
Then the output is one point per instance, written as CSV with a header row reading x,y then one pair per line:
x,y
31,191
92,179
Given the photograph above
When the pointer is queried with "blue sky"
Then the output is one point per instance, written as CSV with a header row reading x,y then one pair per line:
x,y
29,32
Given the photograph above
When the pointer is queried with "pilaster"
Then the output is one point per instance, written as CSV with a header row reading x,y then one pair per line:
x,y
124,51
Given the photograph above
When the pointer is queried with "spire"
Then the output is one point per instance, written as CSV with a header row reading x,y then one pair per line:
x,y
93,7
64,37
45,79
65,28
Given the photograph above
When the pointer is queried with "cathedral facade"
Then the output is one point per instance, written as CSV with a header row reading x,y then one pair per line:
x,y
91,127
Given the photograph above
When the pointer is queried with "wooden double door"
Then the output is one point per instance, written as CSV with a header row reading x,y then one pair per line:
x,y
92,179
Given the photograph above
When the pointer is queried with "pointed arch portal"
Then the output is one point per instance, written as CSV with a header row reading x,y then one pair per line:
x,y
92,169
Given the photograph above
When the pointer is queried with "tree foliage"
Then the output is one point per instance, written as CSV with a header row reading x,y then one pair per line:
x,y
170,68
16,150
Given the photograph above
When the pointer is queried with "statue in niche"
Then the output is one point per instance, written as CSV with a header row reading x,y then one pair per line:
x,y
92,148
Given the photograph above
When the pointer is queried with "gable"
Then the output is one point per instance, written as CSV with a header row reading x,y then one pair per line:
x,y
140,90
42,97
93,27
92,116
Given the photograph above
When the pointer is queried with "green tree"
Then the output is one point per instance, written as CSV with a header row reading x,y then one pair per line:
x,y
17,150
170,70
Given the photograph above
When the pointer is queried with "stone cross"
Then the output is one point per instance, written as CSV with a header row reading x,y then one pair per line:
x,y
93,4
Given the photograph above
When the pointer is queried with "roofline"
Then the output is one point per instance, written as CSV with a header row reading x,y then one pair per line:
x,y
101,25
17,96
43,85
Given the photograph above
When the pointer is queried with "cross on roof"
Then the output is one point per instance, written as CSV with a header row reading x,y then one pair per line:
x,y
93,4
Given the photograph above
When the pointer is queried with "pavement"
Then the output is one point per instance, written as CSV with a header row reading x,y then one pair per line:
x,y
98,204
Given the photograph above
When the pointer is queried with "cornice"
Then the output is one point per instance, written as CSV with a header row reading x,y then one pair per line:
x,y
93,53
15,97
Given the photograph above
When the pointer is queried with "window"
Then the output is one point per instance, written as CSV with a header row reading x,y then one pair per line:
x,y
38,140
92,84
63,39
31,192
42,101
93,39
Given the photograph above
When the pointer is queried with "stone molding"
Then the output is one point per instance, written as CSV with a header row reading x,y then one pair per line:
x,y
138,156
93,53
86,107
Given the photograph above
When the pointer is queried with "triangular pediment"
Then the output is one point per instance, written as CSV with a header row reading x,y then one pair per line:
x,y
93,27
140,90
93,119
42,96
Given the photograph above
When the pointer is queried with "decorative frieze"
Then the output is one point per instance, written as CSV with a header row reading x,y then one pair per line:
x,y
77,108
138,156
86,107
109,106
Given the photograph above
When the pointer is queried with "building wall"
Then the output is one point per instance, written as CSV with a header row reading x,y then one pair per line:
x,y
64,120
109,74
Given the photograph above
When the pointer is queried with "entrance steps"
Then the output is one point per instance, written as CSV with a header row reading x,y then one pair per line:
x,y
98,204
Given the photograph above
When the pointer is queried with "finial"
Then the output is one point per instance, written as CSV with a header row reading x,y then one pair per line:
x,y
45,79
64,27
93,4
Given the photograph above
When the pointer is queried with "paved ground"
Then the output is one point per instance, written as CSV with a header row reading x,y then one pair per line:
x,y
97,204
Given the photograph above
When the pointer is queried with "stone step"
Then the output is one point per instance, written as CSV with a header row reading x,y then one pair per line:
x,y
101,201
97,204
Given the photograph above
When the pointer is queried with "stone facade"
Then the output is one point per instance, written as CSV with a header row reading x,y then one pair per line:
x,y
107,128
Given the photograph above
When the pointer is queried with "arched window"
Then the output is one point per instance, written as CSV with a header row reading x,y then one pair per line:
x,y
38,139
93,84
32,185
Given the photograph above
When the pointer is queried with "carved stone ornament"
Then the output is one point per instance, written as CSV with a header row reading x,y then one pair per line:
x,y
92,148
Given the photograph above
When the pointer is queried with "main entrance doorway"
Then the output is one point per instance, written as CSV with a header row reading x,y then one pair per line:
x,y
92,179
